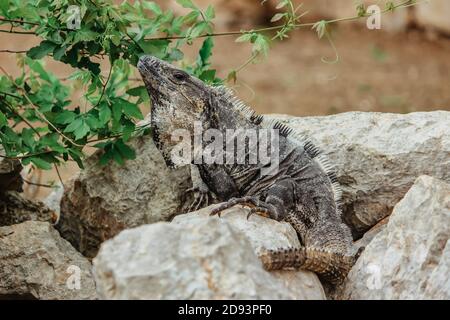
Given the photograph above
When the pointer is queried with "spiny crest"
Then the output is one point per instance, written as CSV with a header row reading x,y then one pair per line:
x,y
326,166
313,151
239,105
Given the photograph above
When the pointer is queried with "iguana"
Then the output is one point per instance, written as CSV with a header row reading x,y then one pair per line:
x,y
304,191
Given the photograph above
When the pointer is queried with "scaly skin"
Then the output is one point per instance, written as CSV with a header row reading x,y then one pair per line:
x,y
304,191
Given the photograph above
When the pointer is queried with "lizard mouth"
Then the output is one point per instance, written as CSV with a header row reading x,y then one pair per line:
x,y
147,65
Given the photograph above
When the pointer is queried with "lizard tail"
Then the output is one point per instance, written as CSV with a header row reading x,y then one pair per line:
x,y
330,266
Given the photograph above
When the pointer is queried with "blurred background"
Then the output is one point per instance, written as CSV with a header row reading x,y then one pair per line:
x,y
404,67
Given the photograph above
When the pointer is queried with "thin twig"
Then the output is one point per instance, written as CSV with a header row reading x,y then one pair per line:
x,y
105,85
18,32
22,118
38,184
59,175
13,51
19,21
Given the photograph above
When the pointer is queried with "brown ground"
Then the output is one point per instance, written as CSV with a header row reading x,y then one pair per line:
x,y
376,71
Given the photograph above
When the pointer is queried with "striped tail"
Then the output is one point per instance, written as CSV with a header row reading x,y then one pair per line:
x,y
330,266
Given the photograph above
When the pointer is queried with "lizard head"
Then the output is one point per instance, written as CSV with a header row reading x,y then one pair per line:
x,y
178,100
173,89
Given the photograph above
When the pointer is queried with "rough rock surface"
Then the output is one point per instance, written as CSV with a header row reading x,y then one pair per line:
x,y
34,262
102,201
10,178
410,258
378,156
53,200
200,257
15,209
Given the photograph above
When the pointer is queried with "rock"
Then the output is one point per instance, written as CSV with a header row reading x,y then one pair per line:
x,y
410,258
10,178
200,257
434,15
15,209
53,200
378,156
36,263
370,235
102,201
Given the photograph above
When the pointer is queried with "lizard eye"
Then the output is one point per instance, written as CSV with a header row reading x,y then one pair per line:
x,y
179,75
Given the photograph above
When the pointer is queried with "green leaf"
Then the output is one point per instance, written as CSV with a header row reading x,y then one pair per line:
x,y
199,29
152,7
278,17
209,13
125,151
58,52
208,75
245,37
40,163
136,91
206,50
261,45
40,51
37,67
321,28
3,120
82,130
232,76
28,137
131,109
104,113
65,117
74,125
117,156
76,155
186,4
117,112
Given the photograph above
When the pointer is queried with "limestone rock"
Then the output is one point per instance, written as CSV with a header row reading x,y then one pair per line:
x,y
36,263
199,257
410,258
53,200
378,156
102,201
16,209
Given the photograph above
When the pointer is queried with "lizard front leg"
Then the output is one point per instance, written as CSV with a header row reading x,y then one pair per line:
x,y
203,196
253,202
278,200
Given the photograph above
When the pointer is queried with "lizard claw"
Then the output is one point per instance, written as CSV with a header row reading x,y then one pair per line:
x,y
244,201
202,198
263,212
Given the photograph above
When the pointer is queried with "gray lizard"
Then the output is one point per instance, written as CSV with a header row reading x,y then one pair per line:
x,y
303,191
